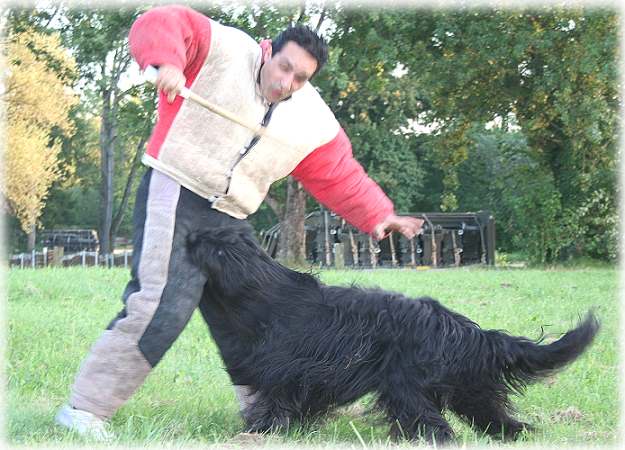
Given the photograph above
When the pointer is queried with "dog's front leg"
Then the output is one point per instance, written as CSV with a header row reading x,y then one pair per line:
x,y
266,415
246,396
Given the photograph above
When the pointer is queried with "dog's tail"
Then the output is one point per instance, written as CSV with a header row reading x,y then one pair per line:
x,y
525,361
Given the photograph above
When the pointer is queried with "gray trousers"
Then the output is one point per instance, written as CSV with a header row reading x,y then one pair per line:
x,y
164,290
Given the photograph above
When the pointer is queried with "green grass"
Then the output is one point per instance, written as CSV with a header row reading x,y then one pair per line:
x,y
54,315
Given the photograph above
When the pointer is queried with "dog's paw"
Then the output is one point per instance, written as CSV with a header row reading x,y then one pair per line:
x,y
268,425
248,439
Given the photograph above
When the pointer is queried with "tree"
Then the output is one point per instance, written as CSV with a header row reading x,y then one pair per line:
x,y
98,38
550,73
38,101
374,102
136,117
74,199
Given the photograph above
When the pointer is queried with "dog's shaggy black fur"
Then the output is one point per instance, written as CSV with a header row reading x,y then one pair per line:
x,y
306,348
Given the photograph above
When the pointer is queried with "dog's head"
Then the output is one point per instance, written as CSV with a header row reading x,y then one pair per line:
x,y
230,257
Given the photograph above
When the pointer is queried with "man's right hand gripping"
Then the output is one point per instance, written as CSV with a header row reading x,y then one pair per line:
x,y
170,80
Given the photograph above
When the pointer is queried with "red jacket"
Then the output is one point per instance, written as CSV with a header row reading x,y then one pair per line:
x,y
321,158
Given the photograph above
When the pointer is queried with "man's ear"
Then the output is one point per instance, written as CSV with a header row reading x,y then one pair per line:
x,y
265,45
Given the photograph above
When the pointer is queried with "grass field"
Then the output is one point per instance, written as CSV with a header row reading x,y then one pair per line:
x,y
54,315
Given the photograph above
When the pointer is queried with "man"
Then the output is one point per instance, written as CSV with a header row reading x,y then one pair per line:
x,y
206,171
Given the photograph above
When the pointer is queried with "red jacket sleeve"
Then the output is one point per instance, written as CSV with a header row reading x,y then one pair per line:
x,y
173,34
332,175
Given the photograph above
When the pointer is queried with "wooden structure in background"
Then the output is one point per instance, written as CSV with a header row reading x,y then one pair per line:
x,y
448,239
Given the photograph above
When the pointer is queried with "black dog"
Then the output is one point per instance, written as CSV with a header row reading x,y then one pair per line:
x,y
306,348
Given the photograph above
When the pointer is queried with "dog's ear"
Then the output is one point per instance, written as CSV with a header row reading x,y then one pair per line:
x,y
227,256
248,240
193,247
203,252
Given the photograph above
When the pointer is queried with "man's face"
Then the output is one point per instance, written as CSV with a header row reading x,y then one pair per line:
x,y
285,72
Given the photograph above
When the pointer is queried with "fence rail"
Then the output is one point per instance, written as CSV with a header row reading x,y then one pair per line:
x,y
56,258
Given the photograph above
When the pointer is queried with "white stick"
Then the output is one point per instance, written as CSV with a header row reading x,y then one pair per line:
x,y
151,74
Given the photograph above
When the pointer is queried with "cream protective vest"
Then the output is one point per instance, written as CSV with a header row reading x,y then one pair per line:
x,y
202,150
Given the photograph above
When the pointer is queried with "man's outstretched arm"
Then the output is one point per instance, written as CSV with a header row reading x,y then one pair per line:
x,y
332,175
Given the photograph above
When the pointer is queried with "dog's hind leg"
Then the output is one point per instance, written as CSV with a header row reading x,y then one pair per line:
x,y
487,411
413,416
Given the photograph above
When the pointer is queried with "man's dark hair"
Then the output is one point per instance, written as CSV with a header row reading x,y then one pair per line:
x,y
305,38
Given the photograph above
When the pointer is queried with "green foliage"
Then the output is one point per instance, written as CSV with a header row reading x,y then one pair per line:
x,y
503,175
392,160
15,240
72,207
548,77
372,103
598,222
551,74
25,19
73,200
520,193
93,34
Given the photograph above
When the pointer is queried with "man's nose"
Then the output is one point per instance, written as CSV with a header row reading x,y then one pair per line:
x,y
286,82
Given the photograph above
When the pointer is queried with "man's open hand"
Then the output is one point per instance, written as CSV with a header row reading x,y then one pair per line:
x,y
408,226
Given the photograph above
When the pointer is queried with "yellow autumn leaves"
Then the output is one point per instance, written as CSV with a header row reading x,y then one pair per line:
x,y
36,101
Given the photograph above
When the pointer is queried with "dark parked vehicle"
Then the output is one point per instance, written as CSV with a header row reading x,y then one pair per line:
x,y
71,240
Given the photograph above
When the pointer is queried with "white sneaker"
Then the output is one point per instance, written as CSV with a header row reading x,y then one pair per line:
x,y
84,423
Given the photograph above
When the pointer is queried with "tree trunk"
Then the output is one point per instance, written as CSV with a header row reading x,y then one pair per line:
x,y
106,171
32,237
108,135
292,242
275,206
119,216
